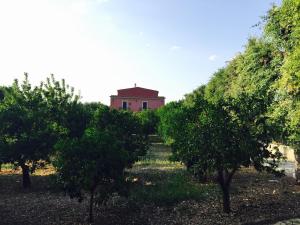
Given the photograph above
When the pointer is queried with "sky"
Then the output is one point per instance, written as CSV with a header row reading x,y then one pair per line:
x,y
100,46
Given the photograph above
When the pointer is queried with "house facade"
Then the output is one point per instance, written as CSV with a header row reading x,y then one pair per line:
x,y
136,99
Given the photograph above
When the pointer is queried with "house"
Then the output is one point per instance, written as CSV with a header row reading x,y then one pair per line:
x,y
136,99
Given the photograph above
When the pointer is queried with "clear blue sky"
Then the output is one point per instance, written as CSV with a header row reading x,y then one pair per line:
x,y
100,46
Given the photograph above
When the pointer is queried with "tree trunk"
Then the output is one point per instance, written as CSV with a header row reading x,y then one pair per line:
x,y
226,200
224,179
91,217
26,177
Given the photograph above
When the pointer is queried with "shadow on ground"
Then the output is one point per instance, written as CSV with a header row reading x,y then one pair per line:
x,y
162,193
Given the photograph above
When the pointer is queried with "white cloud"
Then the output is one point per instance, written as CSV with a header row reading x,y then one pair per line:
x,y
212,57
175,48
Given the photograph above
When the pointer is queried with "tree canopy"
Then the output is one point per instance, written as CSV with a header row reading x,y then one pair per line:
x,y
246,105
95,162
25,130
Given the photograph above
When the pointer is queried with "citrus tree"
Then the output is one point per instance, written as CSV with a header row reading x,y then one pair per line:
x,y
221,138
33,119
26,134
94,163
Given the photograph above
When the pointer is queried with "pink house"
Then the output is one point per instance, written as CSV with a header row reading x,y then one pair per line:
x,y
136,99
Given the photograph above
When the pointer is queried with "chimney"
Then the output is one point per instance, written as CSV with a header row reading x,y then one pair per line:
x,y
134,84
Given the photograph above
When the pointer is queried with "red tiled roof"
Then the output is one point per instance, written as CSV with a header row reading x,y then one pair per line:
x,y
138,92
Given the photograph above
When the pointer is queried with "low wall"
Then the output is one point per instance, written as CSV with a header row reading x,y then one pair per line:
x,y
287,152
289,165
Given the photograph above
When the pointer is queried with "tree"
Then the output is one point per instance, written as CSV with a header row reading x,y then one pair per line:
x,y
126,127
223,138
32,119
25,131
2,93
283,30
282,26
149,121
167,121
95,162
249,103
63,108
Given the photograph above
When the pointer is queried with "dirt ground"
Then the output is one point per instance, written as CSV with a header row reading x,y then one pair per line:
x,y
256,199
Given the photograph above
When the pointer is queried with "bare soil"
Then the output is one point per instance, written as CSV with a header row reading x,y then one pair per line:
x,y
257,198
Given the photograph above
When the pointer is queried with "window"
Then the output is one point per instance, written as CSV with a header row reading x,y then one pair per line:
x,y
145,105
124,105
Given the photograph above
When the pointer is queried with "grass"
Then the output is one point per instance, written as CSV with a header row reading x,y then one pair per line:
x,y
162,182
7,166
170,189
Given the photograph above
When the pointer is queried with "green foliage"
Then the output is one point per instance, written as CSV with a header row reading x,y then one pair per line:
x,y
268,70
283,29
32,119
2,93
283,25
222,137
64,110
149,120
230,122
168,121
93,144
285,109
126,127
25,130
290,80
191,98
94,162
250,102
246,105
250,73
218,85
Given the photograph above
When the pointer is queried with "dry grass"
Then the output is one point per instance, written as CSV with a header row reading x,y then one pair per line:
x,y
9,169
